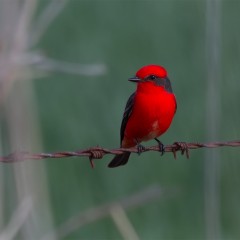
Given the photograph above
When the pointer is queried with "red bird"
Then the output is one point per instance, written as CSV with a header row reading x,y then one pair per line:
x,y
149,111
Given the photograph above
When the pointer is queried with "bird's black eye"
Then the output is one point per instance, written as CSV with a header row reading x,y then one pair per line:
x,y
152,77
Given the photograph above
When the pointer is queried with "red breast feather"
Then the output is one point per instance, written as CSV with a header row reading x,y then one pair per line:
x,y
152,114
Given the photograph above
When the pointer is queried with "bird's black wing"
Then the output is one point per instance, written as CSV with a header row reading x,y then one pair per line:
x,y
122,159
126,115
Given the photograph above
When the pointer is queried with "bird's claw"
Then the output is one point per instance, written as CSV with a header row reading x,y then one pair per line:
x,y
140,149
161,146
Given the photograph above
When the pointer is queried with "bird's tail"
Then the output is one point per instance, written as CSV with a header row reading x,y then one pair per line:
x,y
119,160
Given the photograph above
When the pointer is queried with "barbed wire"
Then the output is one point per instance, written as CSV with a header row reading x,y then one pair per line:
x,y
99,152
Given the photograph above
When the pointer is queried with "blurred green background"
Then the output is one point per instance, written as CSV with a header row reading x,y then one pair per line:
x,y
77,111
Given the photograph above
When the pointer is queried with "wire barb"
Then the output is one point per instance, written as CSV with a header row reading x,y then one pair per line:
x,y
95,153
183,147
99,152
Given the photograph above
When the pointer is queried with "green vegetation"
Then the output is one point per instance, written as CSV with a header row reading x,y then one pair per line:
x,y
80,111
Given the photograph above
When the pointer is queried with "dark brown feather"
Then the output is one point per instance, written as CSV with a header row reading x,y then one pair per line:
x,y
119,160
126,115
122,159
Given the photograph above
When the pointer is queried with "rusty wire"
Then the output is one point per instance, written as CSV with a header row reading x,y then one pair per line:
x,y
99,152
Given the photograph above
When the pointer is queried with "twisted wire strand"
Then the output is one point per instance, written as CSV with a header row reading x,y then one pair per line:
x,y
99,152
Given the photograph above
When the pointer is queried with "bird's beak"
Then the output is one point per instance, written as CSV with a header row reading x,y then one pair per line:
x,y
134,79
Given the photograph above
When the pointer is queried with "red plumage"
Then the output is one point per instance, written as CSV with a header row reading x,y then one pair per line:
x,y
149,111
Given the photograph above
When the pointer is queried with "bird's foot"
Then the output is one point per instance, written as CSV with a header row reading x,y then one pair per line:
x,y
161,146
140,148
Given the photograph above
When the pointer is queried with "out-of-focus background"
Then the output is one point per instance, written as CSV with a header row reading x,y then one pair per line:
x,y
64,67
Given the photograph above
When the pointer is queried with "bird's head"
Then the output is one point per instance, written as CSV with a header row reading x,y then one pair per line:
x,y
154,75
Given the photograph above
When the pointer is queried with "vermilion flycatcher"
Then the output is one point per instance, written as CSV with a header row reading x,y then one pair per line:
x,y
149,111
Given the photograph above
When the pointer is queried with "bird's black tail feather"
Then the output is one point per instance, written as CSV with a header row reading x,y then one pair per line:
x,y
119,160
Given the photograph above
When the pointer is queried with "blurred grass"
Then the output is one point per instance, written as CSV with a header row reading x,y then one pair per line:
x,y
81,111
87,111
